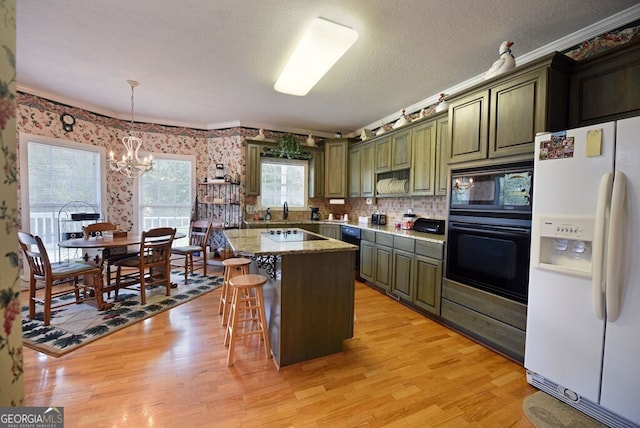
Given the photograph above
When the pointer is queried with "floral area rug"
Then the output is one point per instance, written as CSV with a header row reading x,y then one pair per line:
x,y
73,326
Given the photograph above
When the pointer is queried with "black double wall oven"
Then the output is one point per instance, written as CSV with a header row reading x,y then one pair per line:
x,y
489,229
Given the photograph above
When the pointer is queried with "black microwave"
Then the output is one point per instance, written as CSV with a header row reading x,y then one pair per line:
x,y
492,189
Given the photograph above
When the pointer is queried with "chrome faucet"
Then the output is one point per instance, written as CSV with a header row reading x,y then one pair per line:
x,y
285,211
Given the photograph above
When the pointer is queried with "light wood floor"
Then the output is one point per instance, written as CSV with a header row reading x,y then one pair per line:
x,y
400,370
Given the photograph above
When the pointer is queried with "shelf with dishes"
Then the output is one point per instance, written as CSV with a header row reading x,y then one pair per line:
x,y
392,184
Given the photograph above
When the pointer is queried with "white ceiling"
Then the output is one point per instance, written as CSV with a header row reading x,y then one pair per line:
x,y
212,63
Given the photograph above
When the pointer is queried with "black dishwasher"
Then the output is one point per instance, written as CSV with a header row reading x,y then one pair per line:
x,y
351,235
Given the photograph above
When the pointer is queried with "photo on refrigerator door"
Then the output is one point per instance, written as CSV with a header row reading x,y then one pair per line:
x,y
557,147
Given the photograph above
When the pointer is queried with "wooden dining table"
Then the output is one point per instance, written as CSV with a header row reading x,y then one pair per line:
x,y
108,243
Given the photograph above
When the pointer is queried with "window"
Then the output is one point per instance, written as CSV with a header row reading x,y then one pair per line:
x,y
53,173
166,193
284,180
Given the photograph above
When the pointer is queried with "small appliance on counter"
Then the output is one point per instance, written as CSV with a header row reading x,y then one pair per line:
x,y
429,225
315,214
378,218
408,220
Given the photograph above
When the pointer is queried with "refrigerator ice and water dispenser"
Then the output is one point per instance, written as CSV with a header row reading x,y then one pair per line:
x,y
565,244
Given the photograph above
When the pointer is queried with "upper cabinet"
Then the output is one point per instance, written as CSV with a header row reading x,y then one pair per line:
x,y
423,159
367,170
355,154
393,152
253,169
361,170
335,160
428,175
383,154
316,175
497,121
606,87
442,155
468,127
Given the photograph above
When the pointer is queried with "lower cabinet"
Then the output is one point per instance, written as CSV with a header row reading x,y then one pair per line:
x,y
376,258
408,268
403,284
330,231
383,266
493,320
428,280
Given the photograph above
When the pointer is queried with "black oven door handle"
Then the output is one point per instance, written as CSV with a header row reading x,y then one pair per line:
x,y
499,231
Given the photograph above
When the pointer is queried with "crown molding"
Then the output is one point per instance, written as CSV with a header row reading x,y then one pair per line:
x,y
608,24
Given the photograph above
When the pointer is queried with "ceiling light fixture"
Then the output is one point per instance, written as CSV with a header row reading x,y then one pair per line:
x,y
320,48
131,165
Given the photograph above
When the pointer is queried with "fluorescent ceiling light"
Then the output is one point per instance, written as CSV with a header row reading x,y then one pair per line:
x,y
321,46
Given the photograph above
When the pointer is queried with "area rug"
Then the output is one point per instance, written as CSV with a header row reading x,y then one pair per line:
x,y
545,411
74,326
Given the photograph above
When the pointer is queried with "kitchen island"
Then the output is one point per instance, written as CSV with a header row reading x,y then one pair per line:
x,y
309,294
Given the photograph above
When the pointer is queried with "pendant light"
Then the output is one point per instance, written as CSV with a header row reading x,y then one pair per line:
x,y
131,165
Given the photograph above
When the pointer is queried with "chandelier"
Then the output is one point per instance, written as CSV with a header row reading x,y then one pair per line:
x,y
130,165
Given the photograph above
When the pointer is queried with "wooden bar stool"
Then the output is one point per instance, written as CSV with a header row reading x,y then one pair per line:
x,y
247,315
232,267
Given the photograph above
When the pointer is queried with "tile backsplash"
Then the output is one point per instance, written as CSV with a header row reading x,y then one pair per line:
x,y
394,208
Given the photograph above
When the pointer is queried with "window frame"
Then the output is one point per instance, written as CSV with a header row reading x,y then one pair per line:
x,y
280,161
137,188
25,207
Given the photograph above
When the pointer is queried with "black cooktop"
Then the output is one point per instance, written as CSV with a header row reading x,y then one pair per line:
x,y
291,235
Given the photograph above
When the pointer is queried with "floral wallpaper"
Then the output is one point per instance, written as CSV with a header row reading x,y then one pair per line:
x,y
41,117
12,383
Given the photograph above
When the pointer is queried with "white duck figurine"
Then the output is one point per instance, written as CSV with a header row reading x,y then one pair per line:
x,y
506,61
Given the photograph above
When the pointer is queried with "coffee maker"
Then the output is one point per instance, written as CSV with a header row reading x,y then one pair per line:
x,y
315,213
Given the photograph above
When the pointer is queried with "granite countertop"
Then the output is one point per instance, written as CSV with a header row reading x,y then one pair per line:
x,y
388,228
254,242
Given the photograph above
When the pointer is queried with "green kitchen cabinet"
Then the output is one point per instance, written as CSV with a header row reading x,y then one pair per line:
x,y
367,172
403,283
376,258
361,170
496,121
316,175
442,156
428,283
469,127
383,267
393,153
330,230
335,176
253,169
355,184
427,272
422,177
367,260
401,150
383,155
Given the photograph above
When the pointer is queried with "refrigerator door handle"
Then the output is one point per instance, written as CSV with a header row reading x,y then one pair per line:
x,y
615,244
597,257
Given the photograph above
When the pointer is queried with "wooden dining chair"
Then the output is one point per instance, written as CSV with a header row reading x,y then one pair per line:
x,y
49,275
198,241
107,256
152,266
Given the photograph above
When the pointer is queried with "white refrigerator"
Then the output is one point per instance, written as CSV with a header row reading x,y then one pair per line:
x,y
583,315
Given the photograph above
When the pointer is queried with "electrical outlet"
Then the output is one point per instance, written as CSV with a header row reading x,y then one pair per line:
x,y
369,201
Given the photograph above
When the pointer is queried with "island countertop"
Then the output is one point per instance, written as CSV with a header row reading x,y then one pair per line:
x,y
388,228
256,242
